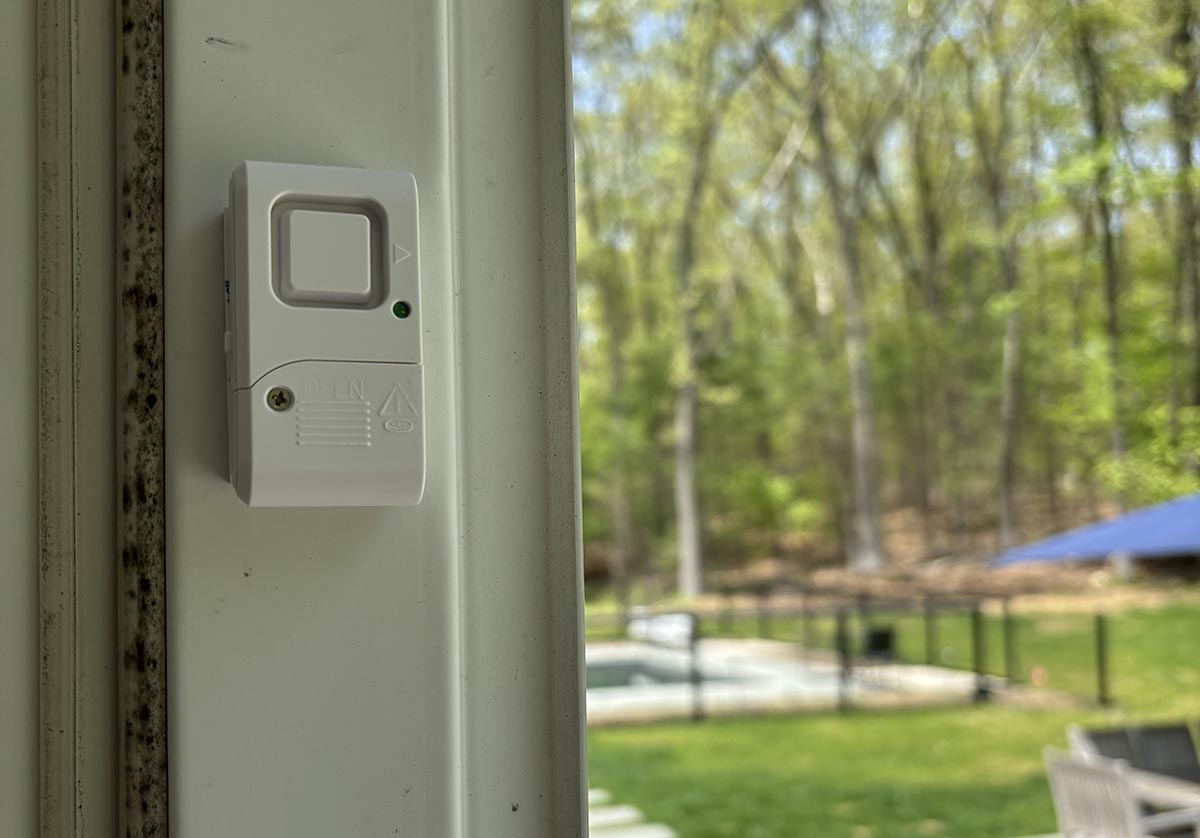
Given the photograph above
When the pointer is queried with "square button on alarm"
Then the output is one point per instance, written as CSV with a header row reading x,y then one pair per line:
x,y
325,257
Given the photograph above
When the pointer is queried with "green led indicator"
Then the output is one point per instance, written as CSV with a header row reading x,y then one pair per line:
x,y
401,309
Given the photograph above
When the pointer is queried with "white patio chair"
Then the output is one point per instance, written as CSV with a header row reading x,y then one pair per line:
x,y
1168,749
1114,743
1094,798
1164,749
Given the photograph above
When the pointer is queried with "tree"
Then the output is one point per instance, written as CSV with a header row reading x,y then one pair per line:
x,y
1181,18
992,131
716,87
845,198
926,266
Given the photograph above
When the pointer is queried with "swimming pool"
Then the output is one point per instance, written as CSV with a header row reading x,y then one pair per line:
x,y
634,673
630,681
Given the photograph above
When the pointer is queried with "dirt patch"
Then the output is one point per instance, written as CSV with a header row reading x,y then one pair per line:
x,y
1060,588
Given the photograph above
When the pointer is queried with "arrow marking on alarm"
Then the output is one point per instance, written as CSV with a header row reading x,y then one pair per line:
x,y
399,254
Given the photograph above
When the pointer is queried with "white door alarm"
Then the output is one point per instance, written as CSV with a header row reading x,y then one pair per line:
x,y
323,336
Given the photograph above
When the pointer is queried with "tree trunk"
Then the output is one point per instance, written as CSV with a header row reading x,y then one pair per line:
x,y
624,540
930,387
952,480
1049,442
918,415
866,553
716,99
687,508
992,150
1188,262
687,504
1093,82
1076,307
922,448
1112,299
1050,474
1010,375
1183,109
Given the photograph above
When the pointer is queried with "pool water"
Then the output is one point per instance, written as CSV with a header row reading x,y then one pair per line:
x,y
630,681
634,674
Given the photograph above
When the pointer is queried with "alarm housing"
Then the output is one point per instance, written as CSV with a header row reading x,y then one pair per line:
x,y
323,336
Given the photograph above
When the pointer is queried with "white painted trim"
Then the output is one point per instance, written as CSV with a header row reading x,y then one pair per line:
x,y
76,510
58,363
513,232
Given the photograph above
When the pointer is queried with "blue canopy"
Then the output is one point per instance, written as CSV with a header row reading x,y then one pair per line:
x,y
1156,532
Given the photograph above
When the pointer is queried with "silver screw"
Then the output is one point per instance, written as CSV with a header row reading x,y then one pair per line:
x,y
280,399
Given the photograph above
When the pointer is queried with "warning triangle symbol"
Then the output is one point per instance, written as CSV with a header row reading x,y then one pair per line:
x,y
397,404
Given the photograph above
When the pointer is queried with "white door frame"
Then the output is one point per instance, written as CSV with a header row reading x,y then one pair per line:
x,y
103,517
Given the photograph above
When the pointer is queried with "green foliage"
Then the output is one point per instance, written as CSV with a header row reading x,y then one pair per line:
x,y
941,115
1163,466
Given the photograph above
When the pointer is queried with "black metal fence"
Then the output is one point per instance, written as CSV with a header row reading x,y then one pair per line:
x,y
1053,656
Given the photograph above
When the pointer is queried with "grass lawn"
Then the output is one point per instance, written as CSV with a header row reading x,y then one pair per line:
x,y
962,771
